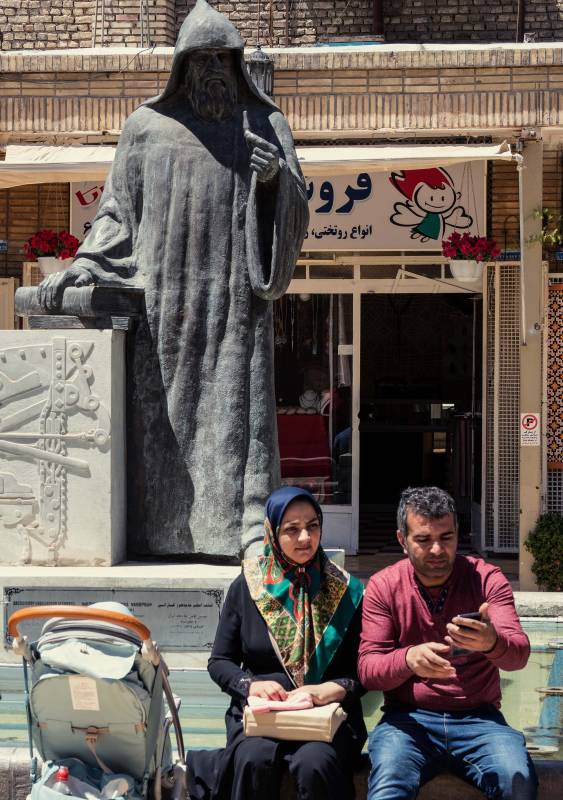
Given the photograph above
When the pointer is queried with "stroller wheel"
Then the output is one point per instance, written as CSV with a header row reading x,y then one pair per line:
x,y
174,785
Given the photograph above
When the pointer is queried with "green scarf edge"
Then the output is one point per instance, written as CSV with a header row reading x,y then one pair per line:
x,y
335,631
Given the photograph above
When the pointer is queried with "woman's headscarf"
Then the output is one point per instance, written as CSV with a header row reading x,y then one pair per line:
x,y
307,608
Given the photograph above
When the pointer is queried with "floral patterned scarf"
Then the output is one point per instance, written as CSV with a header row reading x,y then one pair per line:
x,y
307,608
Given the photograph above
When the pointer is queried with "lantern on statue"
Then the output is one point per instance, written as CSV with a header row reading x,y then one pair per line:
x,y
261,69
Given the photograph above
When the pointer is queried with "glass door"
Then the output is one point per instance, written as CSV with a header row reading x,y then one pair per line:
x,y
313,340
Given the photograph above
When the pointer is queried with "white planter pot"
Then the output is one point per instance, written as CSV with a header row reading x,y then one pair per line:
x,y
50,264
466,270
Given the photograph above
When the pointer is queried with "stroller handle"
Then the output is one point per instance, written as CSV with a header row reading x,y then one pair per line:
x,y
78,612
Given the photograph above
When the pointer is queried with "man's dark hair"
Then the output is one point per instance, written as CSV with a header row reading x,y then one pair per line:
x,y
426,501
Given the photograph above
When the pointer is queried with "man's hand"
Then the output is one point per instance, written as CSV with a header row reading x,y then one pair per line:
x,y
269,690
424,660
322,693
264,157
51,290
472,634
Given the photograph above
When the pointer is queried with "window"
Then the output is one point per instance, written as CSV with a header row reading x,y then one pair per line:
x,y
313,368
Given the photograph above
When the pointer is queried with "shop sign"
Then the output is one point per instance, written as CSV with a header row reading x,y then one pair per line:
x,y
530,429
407,210
3,245
84,202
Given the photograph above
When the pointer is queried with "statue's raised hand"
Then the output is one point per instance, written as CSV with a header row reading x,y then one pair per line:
x,y
51,290
264,156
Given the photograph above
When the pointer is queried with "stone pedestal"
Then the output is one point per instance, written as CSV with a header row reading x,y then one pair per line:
x,y
62,447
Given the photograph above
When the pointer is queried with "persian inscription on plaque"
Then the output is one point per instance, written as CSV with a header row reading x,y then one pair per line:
x,y
179,619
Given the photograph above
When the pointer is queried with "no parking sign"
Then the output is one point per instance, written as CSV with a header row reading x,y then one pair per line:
x,y
530,429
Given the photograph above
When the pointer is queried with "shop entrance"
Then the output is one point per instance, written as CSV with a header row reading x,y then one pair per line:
x,y
378,385
420,404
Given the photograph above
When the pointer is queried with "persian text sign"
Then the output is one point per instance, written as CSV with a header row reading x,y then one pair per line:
x,y
411,209
84,202
530,429
179,619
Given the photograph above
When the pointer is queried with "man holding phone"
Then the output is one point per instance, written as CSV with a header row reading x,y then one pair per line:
x,y
437,627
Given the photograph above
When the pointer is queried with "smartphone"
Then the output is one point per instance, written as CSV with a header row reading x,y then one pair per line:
x,y
460,651
470,615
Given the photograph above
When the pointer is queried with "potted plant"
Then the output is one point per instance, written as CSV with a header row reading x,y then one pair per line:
x,y
551,235
545,543
467,254
53,250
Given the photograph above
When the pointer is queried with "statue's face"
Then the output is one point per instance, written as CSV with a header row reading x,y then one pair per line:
x,y
211,83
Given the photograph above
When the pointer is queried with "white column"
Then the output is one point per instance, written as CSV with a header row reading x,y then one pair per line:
x,y
531,387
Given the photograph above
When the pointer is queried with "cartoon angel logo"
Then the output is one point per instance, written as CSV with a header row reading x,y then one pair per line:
x,y
431,203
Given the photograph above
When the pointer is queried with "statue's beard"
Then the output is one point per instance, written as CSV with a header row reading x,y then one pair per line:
x,y
213,100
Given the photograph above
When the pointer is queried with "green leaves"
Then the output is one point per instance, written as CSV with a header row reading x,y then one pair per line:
x,y
545,543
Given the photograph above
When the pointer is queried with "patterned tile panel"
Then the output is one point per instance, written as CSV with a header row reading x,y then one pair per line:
x,y
555,377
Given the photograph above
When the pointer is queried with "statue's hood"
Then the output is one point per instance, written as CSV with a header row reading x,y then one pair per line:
x,y
206,28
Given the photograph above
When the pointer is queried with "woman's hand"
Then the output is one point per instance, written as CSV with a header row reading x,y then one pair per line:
x,y
322,693
269,690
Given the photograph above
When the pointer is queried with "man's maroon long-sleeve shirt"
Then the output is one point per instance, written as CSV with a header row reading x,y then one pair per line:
x,y
396,617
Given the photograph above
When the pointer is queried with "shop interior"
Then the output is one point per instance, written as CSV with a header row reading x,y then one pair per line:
x,y
420,407
418,394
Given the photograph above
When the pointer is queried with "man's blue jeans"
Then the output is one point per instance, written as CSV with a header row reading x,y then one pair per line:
x,y
408,748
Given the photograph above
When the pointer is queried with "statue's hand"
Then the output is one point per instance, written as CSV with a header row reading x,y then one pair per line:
x,y
51,290
264,156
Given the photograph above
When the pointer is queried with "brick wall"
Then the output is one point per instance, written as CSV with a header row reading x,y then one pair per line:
x,y
505,219
70,23
470,20
545,19
309,20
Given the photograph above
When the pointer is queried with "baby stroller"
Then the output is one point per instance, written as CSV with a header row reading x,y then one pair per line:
x,y
96,706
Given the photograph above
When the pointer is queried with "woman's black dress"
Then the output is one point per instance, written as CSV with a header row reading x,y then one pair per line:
x,y
249,768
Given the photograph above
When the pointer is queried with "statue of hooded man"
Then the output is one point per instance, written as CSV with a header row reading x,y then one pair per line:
x,y
205,209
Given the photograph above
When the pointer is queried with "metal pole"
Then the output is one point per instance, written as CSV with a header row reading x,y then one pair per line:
x,y
103,22
520,19
378,24
95,26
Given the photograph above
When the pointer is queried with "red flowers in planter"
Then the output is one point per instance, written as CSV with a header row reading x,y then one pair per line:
x,y
477,248
50,243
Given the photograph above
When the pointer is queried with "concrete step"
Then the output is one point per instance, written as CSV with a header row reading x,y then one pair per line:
x,y
15,783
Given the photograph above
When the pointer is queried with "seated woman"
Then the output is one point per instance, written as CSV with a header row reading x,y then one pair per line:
x,y
291,620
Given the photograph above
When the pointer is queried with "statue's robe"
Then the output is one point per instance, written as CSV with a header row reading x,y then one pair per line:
x,y
184,217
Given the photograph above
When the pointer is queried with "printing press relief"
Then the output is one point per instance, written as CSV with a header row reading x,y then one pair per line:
x,y
43,386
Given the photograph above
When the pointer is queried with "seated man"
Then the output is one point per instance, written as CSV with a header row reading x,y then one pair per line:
x,y
438,670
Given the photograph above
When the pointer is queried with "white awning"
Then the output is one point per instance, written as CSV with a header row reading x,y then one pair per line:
x,y
384,158
26,164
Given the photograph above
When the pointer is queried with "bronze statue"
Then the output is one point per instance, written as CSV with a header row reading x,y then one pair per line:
x,y
205,208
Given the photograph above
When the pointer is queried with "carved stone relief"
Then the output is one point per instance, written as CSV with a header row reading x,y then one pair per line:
x,y
51,421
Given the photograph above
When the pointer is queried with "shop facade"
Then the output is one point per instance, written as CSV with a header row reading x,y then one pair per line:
x,y
389,370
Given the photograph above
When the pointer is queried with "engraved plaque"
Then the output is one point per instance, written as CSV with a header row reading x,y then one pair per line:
x,y
179,619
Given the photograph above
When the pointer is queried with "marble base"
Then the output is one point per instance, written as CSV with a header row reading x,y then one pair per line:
x,y
62,447
179,602
155,588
